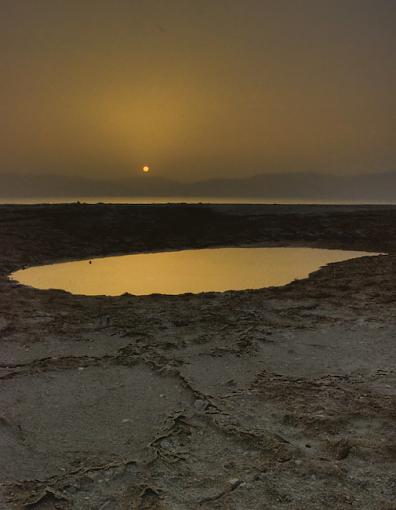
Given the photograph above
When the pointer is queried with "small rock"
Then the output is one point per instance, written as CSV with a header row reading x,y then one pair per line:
x,y
342,449
200,405
235,482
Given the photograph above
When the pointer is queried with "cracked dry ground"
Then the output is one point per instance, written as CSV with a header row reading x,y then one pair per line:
x,y
281,398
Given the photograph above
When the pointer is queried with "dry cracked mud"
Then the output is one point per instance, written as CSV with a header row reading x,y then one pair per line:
x,y
280,398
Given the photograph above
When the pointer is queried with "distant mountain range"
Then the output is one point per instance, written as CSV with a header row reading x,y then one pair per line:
x,y
305,186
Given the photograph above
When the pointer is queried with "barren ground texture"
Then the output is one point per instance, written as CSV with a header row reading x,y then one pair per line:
x,y
280,398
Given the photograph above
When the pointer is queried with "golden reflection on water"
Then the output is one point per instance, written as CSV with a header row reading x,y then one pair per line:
x,y
183,271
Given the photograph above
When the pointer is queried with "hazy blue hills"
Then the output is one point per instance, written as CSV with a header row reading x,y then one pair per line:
x,y
305,186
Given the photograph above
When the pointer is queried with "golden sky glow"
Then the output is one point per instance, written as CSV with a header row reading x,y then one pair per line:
x,y
202,89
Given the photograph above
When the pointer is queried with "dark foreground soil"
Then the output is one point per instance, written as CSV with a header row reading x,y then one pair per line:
x,y
281,398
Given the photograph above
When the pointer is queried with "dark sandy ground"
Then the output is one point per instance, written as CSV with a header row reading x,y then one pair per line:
x,y
281,398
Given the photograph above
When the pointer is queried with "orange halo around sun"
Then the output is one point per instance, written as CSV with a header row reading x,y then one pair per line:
x,y
146,169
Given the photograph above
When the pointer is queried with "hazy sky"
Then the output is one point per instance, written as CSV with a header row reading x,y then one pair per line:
x,y
197,88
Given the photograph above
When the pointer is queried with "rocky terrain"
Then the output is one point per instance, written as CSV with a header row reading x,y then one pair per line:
x,y
280,398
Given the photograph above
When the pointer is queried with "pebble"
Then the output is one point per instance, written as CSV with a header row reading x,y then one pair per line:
x,y
234,481
200,405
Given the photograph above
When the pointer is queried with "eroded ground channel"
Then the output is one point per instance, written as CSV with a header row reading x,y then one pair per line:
x,y
277,398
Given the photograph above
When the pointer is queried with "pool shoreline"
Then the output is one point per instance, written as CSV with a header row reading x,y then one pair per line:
x,y
201,271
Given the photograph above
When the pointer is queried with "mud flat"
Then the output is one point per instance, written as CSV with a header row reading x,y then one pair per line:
x,y
280,398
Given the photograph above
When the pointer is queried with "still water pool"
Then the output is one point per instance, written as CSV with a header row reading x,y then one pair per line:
x,y
183,271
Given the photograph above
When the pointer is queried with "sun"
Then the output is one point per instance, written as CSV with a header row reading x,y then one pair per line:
x,y
146,169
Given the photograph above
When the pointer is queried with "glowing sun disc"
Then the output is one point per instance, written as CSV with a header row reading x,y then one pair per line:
x,y
146,169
